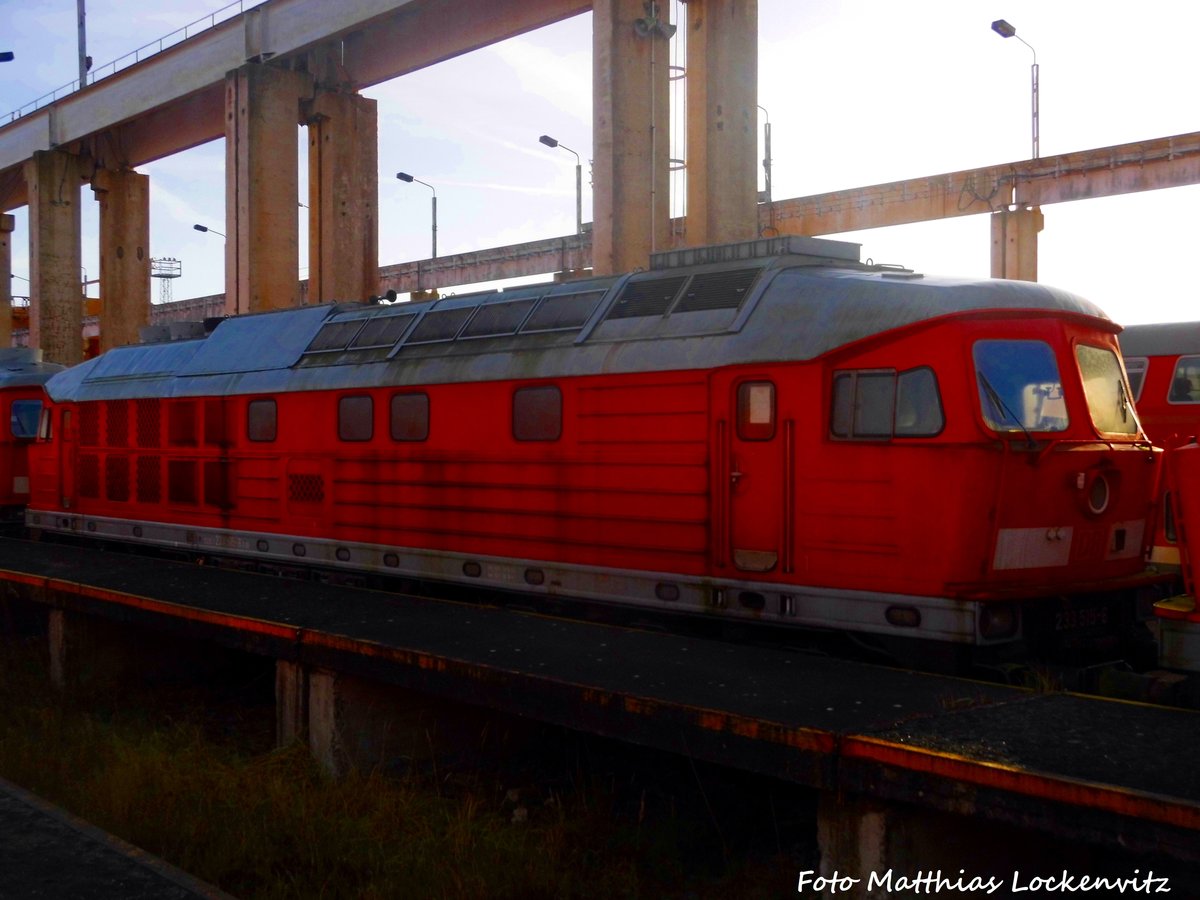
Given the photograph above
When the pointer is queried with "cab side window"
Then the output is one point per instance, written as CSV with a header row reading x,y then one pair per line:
x,y
23,418
1135,368
1185,383
880,404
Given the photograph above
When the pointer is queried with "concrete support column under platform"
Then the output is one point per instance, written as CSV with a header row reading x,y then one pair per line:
x,y
262,250
1015,243
124,255
722,117
7,223
87,653
55,286
343,191
631,133
291,702
359,723
873,848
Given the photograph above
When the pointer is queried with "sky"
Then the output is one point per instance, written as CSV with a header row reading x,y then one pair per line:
x,y
858,92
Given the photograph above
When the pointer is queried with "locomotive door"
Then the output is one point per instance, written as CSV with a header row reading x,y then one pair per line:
x,y
68,441
756,482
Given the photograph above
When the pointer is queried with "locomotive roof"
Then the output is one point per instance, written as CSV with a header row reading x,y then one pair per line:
x,y
813,298
23,366
1161,339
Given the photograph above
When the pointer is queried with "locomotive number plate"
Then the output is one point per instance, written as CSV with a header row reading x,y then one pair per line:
x,y
1072,618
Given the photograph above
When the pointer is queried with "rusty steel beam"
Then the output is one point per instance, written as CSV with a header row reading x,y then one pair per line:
x,y
1167,162
1121,169
565,254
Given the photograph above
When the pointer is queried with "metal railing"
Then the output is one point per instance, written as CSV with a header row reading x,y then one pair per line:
x,y
178,36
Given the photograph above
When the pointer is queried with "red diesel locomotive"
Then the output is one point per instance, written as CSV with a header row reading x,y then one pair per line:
x,y
770,430
1163,362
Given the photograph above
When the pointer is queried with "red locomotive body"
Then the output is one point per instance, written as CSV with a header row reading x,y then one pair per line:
x,y
1163,361
792,436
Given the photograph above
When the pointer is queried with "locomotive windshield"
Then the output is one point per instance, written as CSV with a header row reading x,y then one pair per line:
x,y
1104,385
1019,386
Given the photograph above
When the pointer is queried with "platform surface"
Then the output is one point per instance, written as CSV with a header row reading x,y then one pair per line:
x,y
47,853
1116,758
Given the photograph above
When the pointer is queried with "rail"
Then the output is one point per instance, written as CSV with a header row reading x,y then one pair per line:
x,y
224,14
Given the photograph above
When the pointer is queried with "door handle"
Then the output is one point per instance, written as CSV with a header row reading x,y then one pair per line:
x,y
734,476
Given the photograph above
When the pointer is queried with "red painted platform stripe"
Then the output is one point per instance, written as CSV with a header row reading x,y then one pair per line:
x,y
23,578
1061,789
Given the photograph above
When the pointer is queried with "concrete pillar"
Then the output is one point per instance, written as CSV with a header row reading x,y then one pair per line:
x,y
631,131
7,223
55,284
872,848
722,121
262,251
1014,243
124,255
87,653
356,723
343,192
291,702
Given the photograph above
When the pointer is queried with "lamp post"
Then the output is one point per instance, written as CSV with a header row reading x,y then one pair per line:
x,y
404,176
551,142
205,228
1006,30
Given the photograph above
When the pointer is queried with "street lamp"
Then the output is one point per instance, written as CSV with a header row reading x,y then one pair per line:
x,y
1005,30
551,142
404,176
207,229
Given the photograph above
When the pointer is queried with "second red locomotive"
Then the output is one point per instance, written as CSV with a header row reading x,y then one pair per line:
x,y
770,430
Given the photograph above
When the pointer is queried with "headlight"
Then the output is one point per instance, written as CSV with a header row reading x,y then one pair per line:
x,y
998,620
1098,495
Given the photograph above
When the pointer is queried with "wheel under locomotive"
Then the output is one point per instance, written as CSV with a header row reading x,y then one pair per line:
x,y
769,431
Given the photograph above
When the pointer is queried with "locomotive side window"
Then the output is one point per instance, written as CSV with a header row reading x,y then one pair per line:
x,y
1020,389
756,411
885,404
410,417
261,423
356,418
1185,384
1104,386
537,414
1135,368
918,404
181,423
23,418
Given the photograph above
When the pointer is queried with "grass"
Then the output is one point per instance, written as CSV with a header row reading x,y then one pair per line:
x,y
192,777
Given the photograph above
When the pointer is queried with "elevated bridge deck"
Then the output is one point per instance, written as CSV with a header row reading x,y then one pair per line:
x,y
1107,772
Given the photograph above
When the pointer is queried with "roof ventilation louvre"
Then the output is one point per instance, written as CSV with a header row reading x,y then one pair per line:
x,y
562,312
818,250
650,297
439,325
334,335
717,290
